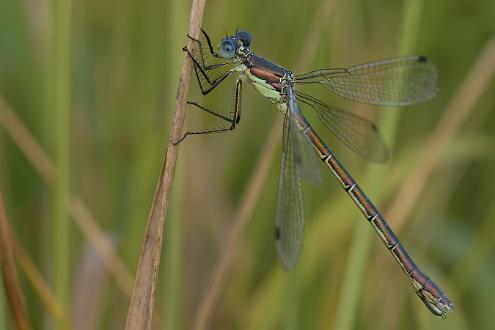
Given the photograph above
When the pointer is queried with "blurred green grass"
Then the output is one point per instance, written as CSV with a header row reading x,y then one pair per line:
x,y
125,64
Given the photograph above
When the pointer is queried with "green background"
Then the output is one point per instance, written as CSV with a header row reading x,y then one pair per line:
x,y
96,88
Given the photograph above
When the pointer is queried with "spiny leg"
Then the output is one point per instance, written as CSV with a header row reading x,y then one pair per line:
x,y
213,83
234,120
210,47
203,67
209,43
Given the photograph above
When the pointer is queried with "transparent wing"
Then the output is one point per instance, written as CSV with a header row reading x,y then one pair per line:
x,y
289,222
396,81
305,155
359,134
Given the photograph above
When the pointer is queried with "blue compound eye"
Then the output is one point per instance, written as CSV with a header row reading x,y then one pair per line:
x,y
227,48
244,37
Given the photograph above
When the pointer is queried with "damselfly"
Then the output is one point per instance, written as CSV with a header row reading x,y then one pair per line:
x,y
397,81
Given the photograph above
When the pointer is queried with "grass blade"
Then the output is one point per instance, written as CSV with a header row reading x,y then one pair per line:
x,y
358,256
12,287
60,94
140,310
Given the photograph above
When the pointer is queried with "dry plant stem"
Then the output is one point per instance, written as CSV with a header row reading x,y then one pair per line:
x,y
79,212
9,273
39,283
143,295
225,261
478,79
25,141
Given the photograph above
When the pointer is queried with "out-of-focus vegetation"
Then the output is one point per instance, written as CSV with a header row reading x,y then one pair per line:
x,y
116,69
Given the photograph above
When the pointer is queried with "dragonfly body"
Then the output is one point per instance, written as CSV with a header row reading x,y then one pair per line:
x,y
266,77
432,296
397,81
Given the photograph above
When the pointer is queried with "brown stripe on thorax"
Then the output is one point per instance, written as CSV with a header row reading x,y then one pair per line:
x,y
266,75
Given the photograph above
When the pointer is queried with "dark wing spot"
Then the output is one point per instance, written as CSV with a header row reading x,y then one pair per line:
x,y
277,233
